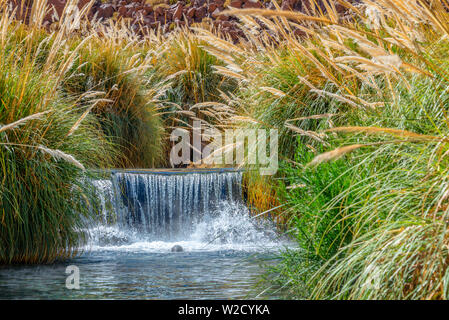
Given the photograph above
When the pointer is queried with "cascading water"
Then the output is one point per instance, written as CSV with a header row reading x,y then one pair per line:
x,y
199,210
105,193
166,207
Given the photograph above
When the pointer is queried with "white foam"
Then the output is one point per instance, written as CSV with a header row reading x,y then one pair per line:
x,y
188,246
229,228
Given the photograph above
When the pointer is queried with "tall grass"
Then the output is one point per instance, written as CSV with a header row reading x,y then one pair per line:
x,y
44,149
187,84
400,226
369,90
126,110
84,96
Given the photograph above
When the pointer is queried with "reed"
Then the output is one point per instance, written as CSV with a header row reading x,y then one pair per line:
x,y
44,198
126,110
394,142
368,90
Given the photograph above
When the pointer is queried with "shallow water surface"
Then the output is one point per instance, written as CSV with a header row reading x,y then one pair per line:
x,y
142,274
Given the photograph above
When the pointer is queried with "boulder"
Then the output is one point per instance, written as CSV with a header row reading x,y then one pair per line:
x,y
211,7
159,11
222,17
105,11
200,13
216,14
148,8
122,11
177,14
236,4
199,3
191,12
220,3
177,248
227,24
250,4
291,5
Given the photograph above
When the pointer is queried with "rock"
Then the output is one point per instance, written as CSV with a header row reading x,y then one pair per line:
x,y
130,13
199,3
57,5
177,248
191,12
252,4
227,24
105,11
60,4
130,6
180,23
234,35
211,7
271,6
130,10
159,11
299,33
340,8
200,13
148,20
313,6
167,14
236,4
220,3
177,14
222,17
291,5
140,14
122,11
215,14
297,5
148,8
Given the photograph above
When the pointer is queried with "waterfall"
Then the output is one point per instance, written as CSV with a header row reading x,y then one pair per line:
x,y
152,211
168,206
105,194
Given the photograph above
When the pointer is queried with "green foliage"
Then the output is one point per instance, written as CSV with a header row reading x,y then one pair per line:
x,y
190,70
321,221
295,105
321,215
44,197
126,113
368,223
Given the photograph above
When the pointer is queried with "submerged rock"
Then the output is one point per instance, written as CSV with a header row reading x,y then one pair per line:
x,y
177,248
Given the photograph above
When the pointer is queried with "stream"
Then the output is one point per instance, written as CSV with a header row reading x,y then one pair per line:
x,y
129,252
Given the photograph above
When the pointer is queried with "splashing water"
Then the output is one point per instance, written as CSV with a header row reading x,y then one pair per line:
x,y
233,224
199,211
